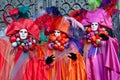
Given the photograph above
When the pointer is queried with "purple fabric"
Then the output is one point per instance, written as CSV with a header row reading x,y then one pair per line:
x,y
105,65
100,16
104,3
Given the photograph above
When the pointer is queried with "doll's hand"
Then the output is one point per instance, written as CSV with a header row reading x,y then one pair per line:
x,y
104,37
72,56
49,59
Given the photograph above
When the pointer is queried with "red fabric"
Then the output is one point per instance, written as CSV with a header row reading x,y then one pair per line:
x,y
44,21
1,61
22,23
14,11
17,55
35,70
111,7
78,14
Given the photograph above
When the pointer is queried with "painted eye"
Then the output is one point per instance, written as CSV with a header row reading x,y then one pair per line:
x,y
96,24
25,31
92,24
21,31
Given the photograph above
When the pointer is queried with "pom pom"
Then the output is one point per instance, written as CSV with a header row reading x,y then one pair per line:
x,y
89,41
98,41
18,39
24,41
96,32
61,48
89,30
59,38
18,42
23,44
52,38
56,46
34,41
64,35
14,44
93,38
12,39
62,42
30,43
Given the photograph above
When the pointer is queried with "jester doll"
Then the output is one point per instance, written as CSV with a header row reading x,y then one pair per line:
x,y
100,48
20,58
63,55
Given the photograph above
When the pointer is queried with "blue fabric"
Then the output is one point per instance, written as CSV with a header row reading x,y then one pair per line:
x,y
79,46
92,51
54,10
76,33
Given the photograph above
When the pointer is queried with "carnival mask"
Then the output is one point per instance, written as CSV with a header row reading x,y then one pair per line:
x,y
23,33
57,33
94,26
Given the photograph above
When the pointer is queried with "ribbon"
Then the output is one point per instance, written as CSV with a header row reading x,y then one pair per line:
x,y
43,37
18,65
93,51
79,46
17,55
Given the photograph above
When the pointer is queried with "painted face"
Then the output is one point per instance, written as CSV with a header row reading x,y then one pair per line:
x,y
57,33
94,26
23,33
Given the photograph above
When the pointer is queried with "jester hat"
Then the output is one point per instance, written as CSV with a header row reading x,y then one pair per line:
x,y
23,23
100,16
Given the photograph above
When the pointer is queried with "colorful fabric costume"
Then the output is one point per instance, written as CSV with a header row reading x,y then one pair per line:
x,y
59,47
20,58
101,61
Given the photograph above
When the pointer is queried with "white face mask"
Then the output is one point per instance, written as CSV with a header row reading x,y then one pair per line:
x,y
94,26
23,33
57,33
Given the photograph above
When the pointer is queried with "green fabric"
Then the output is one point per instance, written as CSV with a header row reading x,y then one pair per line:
x,y
25,15
118,6
43,37
23,9
23,12
93,4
